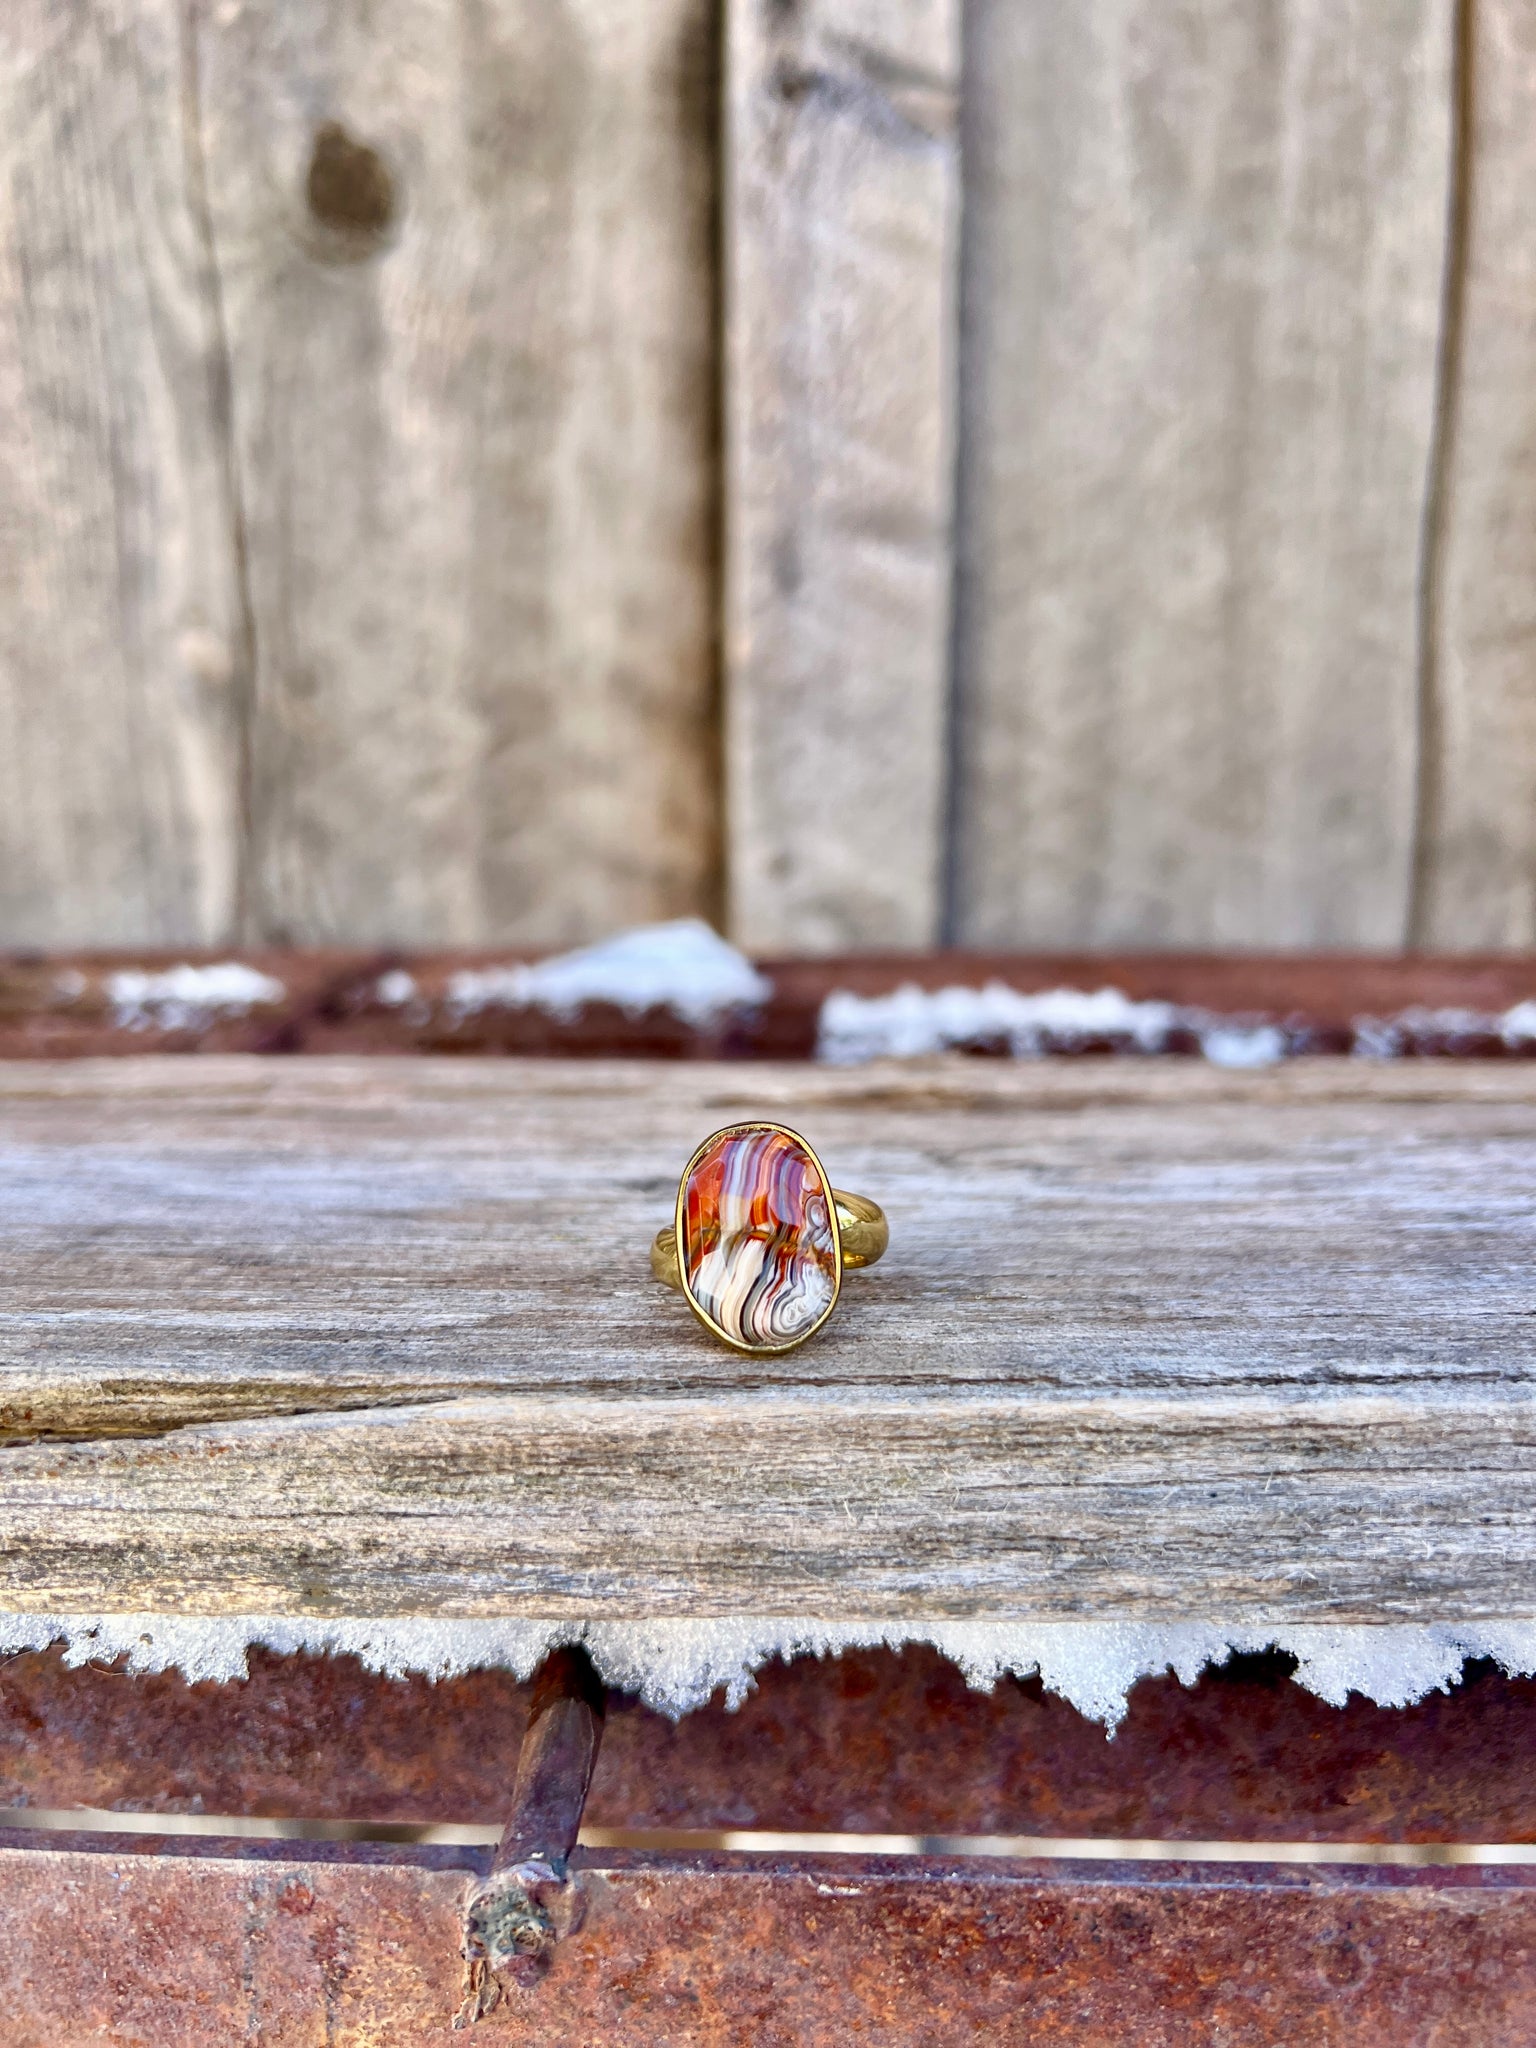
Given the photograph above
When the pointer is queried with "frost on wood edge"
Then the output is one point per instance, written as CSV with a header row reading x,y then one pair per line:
x,y
676,1666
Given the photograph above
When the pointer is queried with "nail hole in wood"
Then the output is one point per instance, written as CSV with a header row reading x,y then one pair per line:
x,y
351,194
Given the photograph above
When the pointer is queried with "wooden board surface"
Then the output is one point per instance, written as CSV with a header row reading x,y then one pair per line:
x,y
378,1337
1203,278
842,233
120,727
1478,867
375,467
366,522
358,415
467,277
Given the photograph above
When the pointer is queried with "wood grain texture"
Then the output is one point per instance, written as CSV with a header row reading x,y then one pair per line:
x,y
1203,273
378,1337
120,679
465,257
842,204
1478,859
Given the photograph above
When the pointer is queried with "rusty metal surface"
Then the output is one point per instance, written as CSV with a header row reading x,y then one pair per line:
x,y
106,1942
872,1741
875,1741
333,1000
211,1944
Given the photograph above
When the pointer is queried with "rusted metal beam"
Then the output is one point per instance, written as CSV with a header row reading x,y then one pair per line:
x,y
870,1741
880,1742
63,1005
527,1901
240,1942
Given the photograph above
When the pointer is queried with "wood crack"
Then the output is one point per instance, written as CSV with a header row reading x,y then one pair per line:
x,y
1427,848
111,1415
242,667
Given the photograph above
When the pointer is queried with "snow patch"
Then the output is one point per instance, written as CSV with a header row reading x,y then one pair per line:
x,y
1517,1026
187,998
396,988
1241,1045
676,1666
684,967
912,1021
1385,1038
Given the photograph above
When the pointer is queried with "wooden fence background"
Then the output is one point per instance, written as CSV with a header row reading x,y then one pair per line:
x,y
872,471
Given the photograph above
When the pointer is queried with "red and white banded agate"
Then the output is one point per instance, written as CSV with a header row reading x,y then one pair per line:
x,y
758,1255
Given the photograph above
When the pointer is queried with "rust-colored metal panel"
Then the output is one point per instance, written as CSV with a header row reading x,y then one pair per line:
x,y
871,1741
875,1741
64,1005
106,1940
110,1942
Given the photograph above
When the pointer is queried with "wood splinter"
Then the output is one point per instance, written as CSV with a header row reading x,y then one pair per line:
x,y
528,1901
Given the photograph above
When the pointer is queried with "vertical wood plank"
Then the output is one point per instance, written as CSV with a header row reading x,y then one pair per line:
x,y
842,203
120,649
1478,857
466,251
1202,288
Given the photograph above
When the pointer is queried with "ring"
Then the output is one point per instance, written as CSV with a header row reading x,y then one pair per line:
x,y
755,1243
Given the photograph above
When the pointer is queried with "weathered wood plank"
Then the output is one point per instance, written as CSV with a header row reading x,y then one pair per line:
x,y
1478,858
121,661
1204,251
378,1338
466,261
864,1503
842,176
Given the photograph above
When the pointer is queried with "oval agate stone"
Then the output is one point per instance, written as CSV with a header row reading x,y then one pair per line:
x,y
758,1255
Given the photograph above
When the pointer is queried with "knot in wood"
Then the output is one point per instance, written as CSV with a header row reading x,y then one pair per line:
x,y
350,191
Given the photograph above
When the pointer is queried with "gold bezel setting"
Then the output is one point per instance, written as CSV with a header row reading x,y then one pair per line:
x,y
744,1129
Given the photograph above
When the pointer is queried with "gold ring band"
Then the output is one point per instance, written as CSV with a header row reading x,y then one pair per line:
x,y
760,1239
